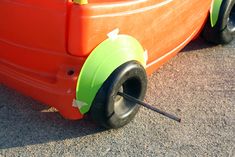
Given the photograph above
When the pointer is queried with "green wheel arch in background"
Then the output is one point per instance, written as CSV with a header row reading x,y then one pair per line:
x,y
214,13
103,60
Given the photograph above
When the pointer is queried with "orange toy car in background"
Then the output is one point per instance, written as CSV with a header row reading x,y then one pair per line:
x,y
77,55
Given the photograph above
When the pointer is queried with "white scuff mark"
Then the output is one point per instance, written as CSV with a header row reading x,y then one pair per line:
x,y
146,56
69,91
113,34
78,104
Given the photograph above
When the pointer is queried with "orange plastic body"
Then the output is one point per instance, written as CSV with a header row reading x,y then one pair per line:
x,y
43,42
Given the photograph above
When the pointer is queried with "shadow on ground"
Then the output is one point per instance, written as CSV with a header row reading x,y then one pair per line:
x,y
197,44
24,121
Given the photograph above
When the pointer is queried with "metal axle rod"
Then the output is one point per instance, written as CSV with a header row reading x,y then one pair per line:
x,y
132,99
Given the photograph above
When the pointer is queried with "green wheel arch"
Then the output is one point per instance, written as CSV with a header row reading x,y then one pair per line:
x,y
214,13
103,60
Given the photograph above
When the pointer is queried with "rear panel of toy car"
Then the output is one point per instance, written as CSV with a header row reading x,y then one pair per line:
x,y
33,52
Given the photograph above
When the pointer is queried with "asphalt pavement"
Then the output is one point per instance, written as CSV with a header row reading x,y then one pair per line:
x,y
197,85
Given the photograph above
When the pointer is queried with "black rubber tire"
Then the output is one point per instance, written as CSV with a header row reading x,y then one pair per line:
x,y
224,30
111,110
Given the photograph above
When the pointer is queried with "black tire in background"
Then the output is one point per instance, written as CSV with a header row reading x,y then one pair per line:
x,y
111,110
224,30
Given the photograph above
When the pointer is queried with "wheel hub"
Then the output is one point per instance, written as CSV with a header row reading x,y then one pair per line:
x,y
231,20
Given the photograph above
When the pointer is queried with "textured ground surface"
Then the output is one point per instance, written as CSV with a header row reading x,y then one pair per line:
x,y
197,85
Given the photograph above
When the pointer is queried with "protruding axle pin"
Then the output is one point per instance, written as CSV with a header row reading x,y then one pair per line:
x,y
132,99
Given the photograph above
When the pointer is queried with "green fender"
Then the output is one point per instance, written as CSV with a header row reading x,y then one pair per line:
x,y
214,13
103,60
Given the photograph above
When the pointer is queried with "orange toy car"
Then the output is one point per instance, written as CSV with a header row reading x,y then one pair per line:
x,y
76,55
